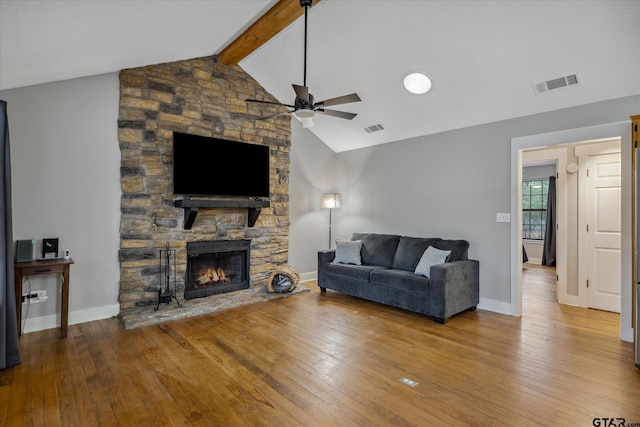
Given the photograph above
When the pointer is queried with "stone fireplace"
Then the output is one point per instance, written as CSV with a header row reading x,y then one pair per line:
x,y
201,97
217,267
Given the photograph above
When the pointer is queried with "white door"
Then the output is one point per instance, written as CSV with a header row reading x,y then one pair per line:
x,y
603,232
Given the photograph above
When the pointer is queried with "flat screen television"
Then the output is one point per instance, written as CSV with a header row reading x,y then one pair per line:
x,y
204,166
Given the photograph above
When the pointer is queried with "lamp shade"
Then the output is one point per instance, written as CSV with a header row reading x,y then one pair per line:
x,y
330,201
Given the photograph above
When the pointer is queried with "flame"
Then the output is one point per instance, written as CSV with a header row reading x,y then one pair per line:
x,y
211,276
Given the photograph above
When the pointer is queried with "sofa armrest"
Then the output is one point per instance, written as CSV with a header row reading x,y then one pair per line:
x,y
324,258
456,285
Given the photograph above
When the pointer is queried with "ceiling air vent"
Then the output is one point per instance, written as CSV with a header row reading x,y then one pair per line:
x,y
555,84
374,128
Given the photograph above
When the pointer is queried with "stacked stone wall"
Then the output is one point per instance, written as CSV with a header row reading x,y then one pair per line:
x,y
201,97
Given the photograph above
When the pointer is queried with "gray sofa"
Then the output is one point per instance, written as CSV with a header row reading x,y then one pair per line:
x,y
386,275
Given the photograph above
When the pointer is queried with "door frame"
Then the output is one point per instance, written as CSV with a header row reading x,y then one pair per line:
x,y
605,131
559,155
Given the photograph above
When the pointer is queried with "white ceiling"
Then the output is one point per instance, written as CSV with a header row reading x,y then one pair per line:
x,y
483,56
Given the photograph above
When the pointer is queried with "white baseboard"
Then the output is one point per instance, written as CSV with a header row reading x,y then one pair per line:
x,y
308,277
499,307
33,324
96,313
537,261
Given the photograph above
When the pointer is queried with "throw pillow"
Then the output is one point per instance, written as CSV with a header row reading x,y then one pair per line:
x,y
431,256
348,252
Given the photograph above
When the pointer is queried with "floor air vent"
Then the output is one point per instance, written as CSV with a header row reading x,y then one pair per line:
x,y
374,128
554,84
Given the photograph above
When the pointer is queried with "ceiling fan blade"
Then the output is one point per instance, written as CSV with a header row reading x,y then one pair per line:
x,y
339,100
302,93
268,102
334,113
272,116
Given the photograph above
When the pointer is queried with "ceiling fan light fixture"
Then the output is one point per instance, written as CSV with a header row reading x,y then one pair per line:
x,y
305,116
417,82
304,113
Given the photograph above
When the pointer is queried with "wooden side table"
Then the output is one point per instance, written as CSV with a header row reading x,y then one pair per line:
x,y
43,267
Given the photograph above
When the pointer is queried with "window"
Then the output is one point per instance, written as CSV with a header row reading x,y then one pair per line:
x,y
534,208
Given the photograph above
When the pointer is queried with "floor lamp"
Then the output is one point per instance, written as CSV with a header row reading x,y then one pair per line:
x,y
330,201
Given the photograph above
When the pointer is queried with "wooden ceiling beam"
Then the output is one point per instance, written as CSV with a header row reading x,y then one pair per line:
x,y
268,25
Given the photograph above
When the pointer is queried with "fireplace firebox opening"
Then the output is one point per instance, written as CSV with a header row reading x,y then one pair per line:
x,y
217,267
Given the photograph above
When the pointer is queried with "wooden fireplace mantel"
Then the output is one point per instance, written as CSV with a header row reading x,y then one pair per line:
x,y
191,207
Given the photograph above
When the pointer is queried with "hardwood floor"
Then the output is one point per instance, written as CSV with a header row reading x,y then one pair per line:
x,y
328,359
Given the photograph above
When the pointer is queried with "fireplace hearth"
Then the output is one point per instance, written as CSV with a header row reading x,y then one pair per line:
x,y
216,267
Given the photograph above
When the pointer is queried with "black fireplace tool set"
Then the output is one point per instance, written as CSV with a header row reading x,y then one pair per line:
x,y
164,292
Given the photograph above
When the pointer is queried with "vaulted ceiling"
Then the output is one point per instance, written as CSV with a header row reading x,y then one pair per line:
x,y
484,56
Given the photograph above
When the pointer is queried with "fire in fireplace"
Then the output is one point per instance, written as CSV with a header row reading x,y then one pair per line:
x,y
211,277
217,267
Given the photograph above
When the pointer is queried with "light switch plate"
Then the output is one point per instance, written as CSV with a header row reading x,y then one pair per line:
x,y
503,217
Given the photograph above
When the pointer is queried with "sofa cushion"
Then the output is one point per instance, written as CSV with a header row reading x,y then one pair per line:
x,y
348,252
377,249
459,249
409,251
401,280
349,271
431,256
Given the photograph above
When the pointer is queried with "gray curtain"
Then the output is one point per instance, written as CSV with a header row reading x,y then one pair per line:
x,y
9,351
549,248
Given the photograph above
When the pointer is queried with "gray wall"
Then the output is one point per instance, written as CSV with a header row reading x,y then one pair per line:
x,y
312,172
452,185
66,184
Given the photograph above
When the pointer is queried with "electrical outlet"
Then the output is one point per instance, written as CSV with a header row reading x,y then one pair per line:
x,y
35,297
503,217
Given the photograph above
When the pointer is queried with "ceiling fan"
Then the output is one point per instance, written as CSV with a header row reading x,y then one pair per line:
x,y
305,107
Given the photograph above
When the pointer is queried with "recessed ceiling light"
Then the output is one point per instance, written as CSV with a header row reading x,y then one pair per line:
x,y
417,82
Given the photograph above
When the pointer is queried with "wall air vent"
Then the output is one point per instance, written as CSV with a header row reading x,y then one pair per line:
x,y
374,128
555,84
